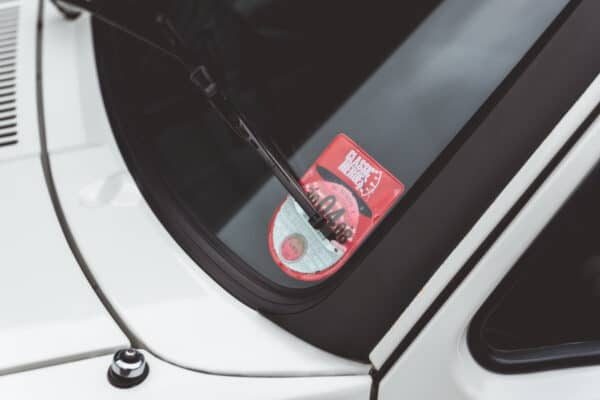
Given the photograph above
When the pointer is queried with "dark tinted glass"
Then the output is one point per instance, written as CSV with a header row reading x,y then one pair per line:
x,y
401,78
554,295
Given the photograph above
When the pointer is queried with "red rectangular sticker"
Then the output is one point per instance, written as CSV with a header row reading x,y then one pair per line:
x,y
353,191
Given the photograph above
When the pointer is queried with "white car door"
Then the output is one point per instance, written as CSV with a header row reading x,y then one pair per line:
x,y
440,364
453,356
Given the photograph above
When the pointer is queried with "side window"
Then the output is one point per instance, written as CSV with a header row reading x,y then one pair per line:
x,y
545,314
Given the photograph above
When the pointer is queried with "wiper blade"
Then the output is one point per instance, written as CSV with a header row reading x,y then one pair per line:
x,y
148,24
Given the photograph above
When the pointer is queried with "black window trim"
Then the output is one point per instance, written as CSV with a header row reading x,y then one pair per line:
x,y
534,359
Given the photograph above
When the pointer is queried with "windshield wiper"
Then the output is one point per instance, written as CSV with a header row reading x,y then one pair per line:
x,y
155,29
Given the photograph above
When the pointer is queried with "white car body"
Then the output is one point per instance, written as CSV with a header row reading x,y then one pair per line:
x,y
86,268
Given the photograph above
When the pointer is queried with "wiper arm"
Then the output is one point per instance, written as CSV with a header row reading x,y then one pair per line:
x,y
155,29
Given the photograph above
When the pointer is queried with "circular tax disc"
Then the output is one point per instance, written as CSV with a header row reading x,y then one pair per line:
x,y
301,251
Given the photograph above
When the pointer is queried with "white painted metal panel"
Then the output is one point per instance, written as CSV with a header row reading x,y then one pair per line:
x,y
48,311
439,365
87,380
164,298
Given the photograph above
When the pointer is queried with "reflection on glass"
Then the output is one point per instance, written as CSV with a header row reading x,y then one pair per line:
x,y
400,78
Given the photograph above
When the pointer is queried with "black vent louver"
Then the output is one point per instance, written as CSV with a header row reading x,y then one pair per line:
x,y
9,20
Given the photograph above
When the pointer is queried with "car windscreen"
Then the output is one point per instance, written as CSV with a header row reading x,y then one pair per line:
x,y
401,79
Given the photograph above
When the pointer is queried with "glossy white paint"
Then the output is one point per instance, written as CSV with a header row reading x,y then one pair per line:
x,y
87,380
503,203
165,299
438,363
48,311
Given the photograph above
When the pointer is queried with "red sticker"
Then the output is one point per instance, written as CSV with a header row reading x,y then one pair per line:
x,y
353,191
